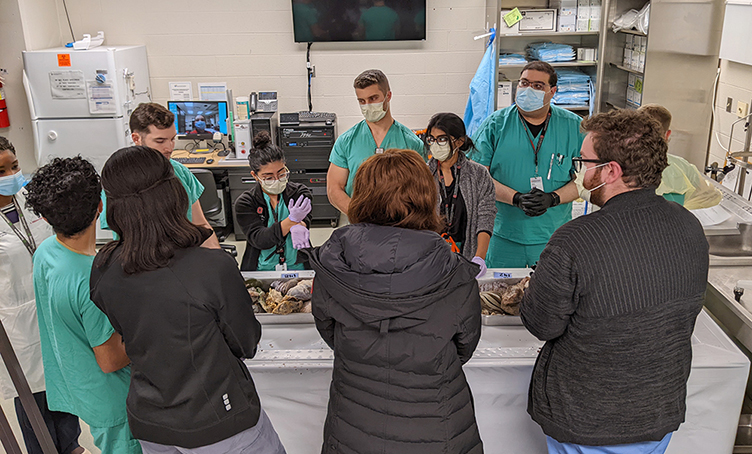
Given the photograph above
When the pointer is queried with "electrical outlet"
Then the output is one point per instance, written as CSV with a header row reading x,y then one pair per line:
x,y
729,104
742,108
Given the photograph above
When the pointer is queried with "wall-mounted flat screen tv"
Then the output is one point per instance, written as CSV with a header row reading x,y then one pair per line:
x,y
358,20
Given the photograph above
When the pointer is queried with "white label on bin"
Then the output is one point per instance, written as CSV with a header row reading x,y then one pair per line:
x,y
498,275
289,275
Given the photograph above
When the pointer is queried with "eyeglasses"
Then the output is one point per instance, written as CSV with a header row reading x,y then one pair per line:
x,y
524,83
441,140
579,163
283,177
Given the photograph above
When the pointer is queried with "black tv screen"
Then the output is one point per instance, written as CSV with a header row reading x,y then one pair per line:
x,y
358,20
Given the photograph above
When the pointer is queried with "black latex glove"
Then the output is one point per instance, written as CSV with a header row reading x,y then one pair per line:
x,y
536,202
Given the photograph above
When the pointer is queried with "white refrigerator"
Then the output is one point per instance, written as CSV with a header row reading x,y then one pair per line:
x,y
80,101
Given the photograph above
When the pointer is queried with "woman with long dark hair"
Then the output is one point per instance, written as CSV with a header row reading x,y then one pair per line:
x,y
184,315
467,199
402,313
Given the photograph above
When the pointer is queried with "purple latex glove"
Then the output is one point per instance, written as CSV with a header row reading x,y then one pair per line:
x,y
300,237
299,209
480,262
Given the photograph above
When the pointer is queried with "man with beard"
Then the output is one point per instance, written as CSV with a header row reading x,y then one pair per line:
x,y
615,296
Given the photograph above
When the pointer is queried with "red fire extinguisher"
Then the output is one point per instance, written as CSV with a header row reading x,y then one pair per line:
x,y
4,119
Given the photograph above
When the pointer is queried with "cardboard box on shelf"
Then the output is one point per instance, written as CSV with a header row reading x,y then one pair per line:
x,y
595,15
591,54
504,95
643,44
631,80
635,63
504,30
627,58
583,15
629,42
537,20
641,63
568,22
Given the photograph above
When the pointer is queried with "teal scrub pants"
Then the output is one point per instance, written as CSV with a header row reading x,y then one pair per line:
x,y
503,253
115,440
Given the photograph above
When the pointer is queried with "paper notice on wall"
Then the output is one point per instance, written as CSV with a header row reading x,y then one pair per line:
x,y
216,91
67,85
101,98
181,91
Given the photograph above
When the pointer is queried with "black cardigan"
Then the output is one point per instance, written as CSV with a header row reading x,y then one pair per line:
x,y
186,327
615,296
252,216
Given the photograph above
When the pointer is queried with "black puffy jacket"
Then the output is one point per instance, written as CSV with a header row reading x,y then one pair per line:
x,y
402,314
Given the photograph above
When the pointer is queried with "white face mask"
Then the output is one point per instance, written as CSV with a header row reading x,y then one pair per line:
x,y
275,186
441,152
580,182
373,112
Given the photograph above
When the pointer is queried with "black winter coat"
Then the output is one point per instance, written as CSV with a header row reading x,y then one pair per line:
x,y
402,314
186,327
252,216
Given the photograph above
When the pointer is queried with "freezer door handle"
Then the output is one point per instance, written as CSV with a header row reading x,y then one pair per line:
x,y
29,99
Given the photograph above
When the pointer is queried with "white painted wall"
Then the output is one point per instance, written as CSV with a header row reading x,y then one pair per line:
x,y
24,24
249,44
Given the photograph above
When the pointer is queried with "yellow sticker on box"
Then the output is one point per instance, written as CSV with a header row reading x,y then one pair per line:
x,y
512,17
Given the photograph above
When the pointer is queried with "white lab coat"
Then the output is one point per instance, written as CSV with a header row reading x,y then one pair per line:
x,y
18,310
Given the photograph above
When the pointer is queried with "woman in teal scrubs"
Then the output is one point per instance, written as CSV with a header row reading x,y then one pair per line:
x,y
275,214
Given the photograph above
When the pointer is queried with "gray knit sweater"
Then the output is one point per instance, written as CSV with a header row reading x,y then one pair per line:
x,y
477,189
615,296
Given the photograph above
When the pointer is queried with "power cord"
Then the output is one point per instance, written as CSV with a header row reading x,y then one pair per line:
x,y
309,68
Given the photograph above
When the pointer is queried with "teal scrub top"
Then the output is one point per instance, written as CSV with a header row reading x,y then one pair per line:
x,y
380,23
502,143
193,188
70,326
357,144
268,258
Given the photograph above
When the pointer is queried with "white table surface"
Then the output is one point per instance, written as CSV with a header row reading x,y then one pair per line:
x,y
292,372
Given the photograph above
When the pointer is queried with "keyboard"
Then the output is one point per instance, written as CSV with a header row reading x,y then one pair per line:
x,y
317,116
185,161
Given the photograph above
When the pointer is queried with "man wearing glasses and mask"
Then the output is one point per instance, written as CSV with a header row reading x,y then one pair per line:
x,y
528,149
615,296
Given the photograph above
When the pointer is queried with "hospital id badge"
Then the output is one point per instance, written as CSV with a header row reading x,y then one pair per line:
x,y
536,183
281,267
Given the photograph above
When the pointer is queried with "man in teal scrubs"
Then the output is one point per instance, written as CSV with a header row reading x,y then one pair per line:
x,y
378,132
85,365
379,22
152,125
528,148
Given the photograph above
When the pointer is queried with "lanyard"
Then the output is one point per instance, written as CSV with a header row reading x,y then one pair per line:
x,y
280,251
27,241
537,148
448,203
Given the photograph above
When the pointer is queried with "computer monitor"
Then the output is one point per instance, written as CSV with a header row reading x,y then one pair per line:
x,y
199,119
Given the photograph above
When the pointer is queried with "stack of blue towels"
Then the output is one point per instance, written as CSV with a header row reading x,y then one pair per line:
x,y
512,59
574,88
551,52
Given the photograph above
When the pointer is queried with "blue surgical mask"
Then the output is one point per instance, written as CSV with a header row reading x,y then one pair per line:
x,y
529,99
200,124
11,184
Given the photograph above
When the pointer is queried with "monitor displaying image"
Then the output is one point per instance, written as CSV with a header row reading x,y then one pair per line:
x,y
199,119
358,20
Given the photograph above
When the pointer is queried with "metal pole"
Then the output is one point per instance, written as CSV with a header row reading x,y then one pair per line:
x,y
743,170
25,395
6,436
601,68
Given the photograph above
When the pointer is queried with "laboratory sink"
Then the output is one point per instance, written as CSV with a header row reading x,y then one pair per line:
x,y
737,245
